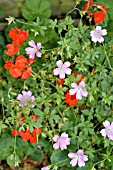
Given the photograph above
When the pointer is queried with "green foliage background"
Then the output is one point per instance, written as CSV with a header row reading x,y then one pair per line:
x,y
60,40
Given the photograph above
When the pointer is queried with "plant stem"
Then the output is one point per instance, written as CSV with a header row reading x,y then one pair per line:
x,y
107,57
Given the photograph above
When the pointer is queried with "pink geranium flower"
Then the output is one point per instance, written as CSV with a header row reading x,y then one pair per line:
x,y
78,157
61,141
26,99
108,131
45,168
34,49
97,34
62,69
79,90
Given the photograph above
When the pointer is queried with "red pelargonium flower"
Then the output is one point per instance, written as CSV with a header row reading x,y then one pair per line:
x,y
87,5
13,33
36,131
99,17
18,35
60,81
22,34
102,7
70,99
12,50
25,135
17,42
35,118
27,73
81,78
21,62
8,65
31,60
91,2
21,119
15,72
14,132
33,139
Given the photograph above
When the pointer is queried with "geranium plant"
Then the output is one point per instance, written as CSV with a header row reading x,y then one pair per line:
x,y
56,88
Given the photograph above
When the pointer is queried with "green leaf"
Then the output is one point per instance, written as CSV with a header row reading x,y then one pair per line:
x,y
38,112
36,8
59,157
2,126
6,142
37,156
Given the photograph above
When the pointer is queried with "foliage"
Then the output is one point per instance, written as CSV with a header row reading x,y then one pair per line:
x,y
89,62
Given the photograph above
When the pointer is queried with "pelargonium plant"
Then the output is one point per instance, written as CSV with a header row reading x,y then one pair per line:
x,y
56,88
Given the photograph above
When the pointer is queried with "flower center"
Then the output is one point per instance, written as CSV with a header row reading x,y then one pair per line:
x,y
98,33
60,139
109,130
36,49
78,156
61,67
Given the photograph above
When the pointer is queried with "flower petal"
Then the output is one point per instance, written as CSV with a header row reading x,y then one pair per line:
x,y
74,162
106,123
66,64
101,39
59,63
39,46
98,28
103,132
55,138
68,71
79,95
29,50
72,155
74,85
56,145
81,162
38,54
32,44
82,84
84,92
61,74
56,71
104,32
20,97
72,91
80,152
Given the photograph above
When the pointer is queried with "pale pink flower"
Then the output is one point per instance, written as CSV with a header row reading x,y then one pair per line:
x,y
61,141
78,157
34,49
26,99
97,34
108,131
45,168
79,90
62,69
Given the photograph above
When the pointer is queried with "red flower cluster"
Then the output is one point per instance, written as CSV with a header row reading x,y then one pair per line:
x,y
71,99
26,134
86,6
60,81
21,66
100,15
18,36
